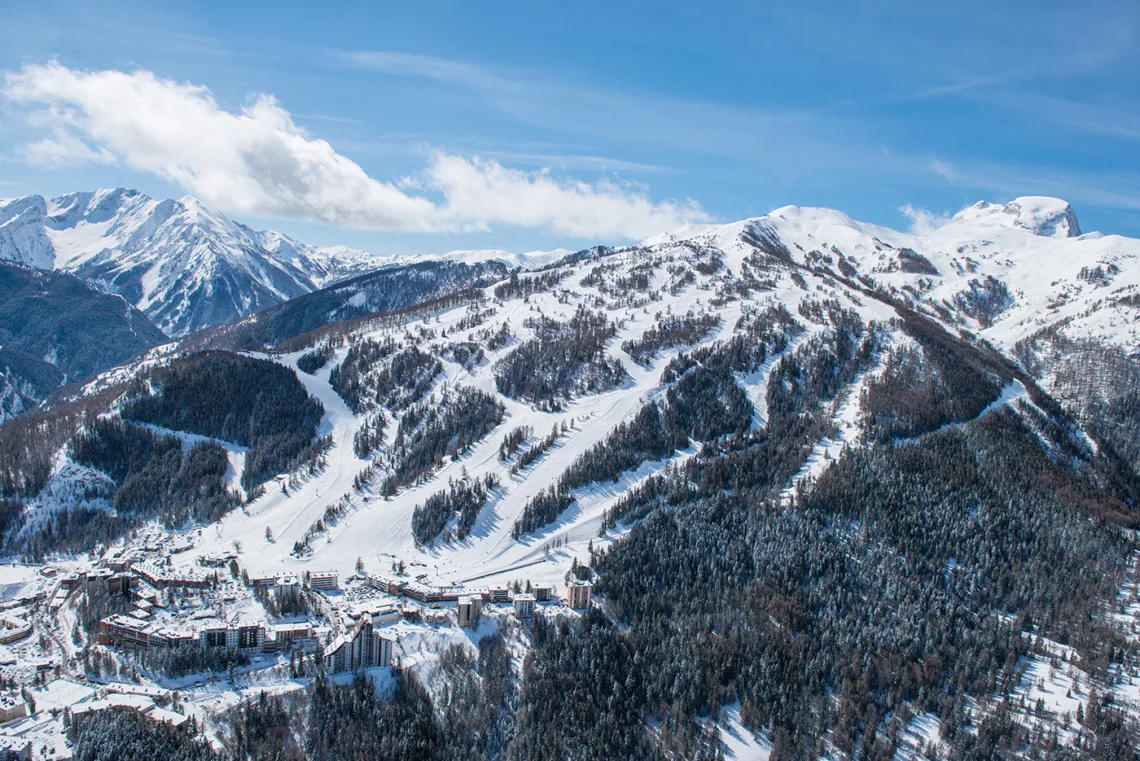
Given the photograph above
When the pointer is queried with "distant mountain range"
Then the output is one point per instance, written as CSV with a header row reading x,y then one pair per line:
x,y
55,328
903,464
137,271
183,264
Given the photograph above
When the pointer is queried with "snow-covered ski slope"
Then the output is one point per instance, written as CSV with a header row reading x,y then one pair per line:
x,y
1030,251
998,273
1033,246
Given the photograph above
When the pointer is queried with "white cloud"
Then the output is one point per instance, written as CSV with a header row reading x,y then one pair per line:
x,y
483,190
944,169
62,148
258,161
923,221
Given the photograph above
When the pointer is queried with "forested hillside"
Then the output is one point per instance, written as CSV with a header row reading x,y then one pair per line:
x,y
841,493
54,329
252,402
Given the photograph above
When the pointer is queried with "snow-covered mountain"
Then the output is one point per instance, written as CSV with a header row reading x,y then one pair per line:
x,y
528,260
1006,271
56,329
187,266
796,422
183,264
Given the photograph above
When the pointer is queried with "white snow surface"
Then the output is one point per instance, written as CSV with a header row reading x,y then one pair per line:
x,y
1052,274
1032,245
177,260
1019,243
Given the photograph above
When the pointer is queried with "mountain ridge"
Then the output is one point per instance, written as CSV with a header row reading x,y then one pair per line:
x,y
56,329
793,423
182,263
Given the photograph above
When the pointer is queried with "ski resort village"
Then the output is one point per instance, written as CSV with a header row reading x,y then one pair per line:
x,y
233,628
677,495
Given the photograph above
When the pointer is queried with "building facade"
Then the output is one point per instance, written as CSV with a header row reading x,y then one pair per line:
x,y
578,594
469,608
524,606
362,647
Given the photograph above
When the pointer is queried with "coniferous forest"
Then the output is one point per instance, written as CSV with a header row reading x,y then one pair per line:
x,y
820,508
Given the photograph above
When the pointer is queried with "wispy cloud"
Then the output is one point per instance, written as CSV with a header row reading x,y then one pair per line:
x,y
258,161
328,118
923,221
432,67
1089,118
1112,190
944,169
573,161
773,137
792,144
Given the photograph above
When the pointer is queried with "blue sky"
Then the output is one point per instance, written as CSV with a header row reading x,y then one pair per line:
x,y
437,125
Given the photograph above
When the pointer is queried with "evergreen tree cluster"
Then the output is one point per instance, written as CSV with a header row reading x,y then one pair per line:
x,y
948,557
670,331
370,435
475,317
471,720
513,440
262,730
432,430
542,509
379,374
940,380
11,515
495,338
29,444
315,359
802,387
192,659
915,263
562,359
1098,384
355,723
407,378
702,404
73,529
984,300
252,402
463,498
466,354
758,336
154,478
349,379
477,713
124,734
617,282
535,451
516,287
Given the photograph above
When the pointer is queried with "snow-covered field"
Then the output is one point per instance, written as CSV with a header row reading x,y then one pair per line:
x,y
1047,274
